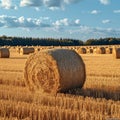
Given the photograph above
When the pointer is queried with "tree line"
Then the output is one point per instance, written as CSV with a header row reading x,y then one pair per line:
x,y
29,41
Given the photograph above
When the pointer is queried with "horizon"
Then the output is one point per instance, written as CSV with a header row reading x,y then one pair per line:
x,y
73,19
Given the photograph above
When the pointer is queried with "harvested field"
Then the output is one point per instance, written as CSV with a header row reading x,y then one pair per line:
x,y
99,99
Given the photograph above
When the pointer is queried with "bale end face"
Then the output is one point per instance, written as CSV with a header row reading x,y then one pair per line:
x,y
100,50
54,70
4,53
116,53
26,51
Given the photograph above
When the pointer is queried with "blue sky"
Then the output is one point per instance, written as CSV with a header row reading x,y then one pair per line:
x,y
77,19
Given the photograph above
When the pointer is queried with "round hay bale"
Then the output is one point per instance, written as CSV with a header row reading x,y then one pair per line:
x,y
18,49
109,50
100,50
4,53
116,53
37,49
54,70
81,51
90,50
26,50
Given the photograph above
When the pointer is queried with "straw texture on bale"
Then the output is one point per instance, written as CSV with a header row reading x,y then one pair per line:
x,y
4,53
81,51
116,53
54,70
26,50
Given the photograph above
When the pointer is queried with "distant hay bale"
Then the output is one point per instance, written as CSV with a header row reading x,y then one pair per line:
x,y
93,47
108,50
54,70
26,50
18,49
116,53
37,49
99,50
89,50
81,51
4,53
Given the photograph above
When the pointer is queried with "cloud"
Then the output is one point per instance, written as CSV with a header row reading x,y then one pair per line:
x,y
34,3
62,22
21,22
61,26
37,8
66,22
105,21
116,11
104,2
7,4
77,21
51,4
71,1
95,12
42,22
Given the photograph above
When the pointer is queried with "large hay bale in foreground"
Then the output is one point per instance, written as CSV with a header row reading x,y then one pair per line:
x,y
55,70
4,53
116,53
26,50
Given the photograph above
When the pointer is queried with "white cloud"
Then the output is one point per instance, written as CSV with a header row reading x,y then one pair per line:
x,y
37,8
42,22
22,19
65,25
104,2
62,22
66,22
95,12
71,1
7,4
34,3
51,4
116,11
105,21
77,21
12,21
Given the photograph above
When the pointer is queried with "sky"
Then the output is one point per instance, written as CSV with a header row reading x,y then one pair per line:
x,y
76,19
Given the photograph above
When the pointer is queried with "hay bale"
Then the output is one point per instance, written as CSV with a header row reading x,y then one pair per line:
x,y
99,50
89,50
26,50
81,51
109,50
54,70
116,53
18,49
4,53
37,49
